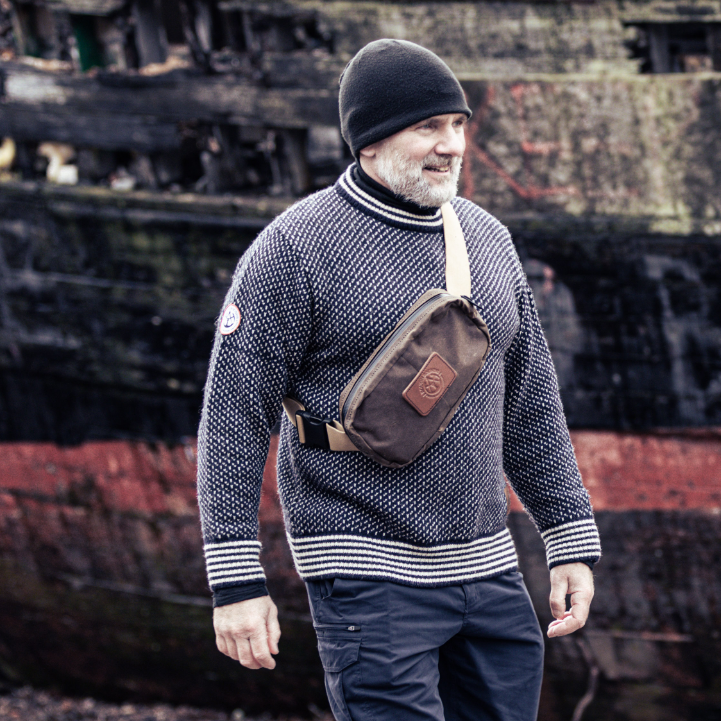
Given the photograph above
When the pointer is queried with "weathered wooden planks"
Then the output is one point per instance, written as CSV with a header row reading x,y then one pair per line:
x,y
141,113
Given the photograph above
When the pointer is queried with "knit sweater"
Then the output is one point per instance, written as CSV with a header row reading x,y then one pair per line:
x,y
317,291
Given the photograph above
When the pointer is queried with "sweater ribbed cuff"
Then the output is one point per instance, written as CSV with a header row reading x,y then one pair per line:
x,y
233,563
572,542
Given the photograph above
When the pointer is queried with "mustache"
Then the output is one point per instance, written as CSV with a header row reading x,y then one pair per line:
x,y
440,161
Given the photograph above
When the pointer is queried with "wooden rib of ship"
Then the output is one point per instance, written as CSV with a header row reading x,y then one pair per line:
x,y
146,142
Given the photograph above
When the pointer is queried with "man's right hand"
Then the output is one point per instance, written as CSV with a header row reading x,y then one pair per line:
x,y
248,631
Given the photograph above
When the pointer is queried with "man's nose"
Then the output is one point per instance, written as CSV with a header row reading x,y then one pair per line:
x,y
452,142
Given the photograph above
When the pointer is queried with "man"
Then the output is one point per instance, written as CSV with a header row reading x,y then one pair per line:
x,y
412,576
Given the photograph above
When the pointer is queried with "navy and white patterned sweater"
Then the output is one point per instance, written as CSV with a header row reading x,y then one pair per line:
x,y
317,291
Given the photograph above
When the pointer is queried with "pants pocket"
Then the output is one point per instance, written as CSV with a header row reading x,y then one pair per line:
x,y
325,586
339,648
321,589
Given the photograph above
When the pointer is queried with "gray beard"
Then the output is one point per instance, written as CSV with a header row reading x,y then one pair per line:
x,y
405,178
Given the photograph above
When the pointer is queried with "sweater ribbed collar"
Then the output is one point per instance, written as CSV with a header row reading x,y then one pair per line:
x,y
383,208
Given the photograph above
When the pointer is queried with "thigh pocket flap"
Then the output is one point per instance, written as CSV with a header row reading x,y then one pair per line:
x,y
337,652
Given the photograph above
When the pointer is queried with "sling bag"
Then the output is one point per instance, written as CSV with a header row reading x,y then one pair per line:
x,y
404,396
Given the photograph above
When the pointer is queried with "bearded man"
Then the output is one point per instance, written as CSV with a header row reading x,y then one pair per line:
x,y
412,577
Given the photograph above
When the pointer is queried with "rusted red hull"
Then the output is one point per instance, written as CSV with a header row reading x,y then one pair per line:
x,y
105,589
660,471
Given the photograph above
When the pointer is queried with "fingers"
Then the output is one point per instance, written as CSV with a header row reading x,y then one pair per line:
x,y
557,599
575,579
248,632
562,627
261,650
250,652
246,656
273,629
222,645
572,620
241,650
580,606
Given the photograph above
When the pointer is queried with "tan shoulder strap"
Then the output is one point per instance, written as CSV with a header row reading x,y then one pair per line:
x,y
458,271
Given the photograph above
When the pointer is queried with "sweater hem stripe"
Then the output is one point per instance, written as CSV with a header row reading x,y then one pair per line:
x,y
574,558
326,556
573,543
413,579
574,548
566,542
350,552
372,561
223,555
250,563
435,570
332,541
238,572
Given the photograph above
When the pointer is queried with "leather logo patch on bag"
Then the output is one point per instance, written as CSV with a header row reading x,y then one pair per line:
x,y
430,384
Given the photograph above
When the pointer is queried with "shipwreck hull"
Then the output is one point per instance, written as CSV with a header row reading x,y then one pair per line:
x,y
595,138
104,588
109,309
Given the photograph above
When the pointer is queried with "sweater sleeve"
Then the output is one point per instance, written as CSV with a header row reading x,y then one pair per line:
x,y
250,371
538,456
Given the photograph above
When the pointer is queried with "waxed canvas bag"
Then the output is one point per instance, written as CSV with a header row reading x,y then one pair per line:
x,y
404,396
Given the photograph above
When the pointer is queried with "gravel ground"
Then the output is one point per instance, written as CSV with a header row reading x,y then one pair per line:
x,y
27,704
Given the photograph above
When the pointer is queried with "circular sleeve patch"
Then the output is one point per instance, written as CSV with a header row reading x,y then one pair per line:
x,y
230,320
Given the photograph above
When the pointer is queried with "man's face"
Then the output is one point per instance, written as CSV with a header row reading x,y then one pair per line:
x,y
421,163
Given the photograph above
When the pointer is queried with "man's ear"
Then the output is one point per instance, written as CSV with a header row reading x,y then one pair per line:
x,y
369,151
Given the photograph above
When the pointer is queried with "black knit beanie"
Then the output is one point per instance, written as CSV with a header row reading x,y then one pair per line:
x,y
391,84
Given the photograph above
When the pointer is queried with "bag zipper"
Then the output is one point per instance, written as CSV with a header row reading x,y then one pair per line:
x,y
379,352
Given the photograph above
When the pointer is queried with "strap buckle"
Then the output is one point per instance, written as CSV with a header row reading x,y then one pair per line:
x,y
315,431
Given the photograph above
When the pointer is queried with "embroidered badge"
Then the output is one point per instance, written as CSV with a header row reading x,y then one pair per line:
x,y
230,320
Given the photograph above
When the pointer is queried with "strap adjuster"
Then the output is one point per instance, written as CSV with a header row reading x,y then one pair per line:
x,y
315,431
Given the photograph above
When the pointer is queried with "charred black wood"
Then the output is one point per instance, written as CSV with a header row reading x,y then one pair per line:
x,y
171,97
150,38
102,131
106,298
713,38
197,31
301,70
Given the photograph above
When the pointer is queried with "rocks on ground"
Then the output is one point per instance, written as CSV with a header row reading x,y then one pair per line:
x,y
28,704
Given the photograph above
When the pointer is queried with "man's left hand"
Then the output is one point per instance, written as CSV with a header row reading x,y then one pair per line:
x,y
575,579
